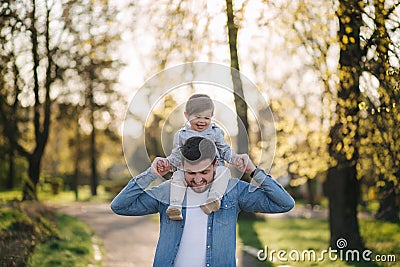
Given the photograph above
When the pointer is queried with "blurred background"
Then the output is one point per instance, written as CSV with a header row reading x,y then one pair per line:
x,y
328,71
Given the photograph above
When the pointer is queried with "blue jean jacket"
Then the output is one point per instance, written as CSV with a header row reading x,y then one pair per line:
x,y
134,200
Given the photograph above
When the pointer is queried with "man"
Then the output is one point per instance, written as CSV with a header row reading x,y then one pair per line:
x,y
200,239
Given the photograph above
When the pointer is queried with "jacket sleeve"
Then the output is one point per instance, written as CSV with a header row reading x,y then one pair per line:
x,y
271,197
225,151
133,200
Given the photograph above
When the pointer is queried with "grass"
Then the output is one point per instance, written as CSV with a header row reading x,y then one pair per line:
x,y
45,195
32,234
22,227
300,234
72,247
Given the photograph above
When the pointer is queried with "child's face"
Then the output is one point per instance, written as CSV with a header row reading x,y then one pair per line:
x,y
200,121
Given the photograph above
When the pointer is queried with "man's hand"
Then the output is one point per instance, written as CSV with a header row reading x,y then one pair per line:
x,y
243,163
160,166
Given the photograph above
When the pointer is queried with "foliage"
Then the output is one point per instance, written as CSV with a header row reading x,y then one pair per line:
x,y
378,106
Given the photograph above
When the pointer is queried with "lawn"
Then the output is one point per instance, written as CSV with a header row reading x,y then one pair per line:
x,y
72,247
45,195
299,238
32,234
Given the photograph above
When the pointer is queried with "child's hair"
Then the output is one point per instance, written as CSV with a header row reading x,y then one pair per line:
x,y
197,149
199,103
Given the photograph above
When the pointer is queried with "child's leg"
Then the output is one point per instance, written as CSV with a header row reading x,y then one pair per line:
x,y
217,190
177,194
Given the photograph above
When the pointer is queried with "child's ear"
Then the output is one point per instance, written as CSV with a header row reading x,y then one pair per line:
x,y
186,115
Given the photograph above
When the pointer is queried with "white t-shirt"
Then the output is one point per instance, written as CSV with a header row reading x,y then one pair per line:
x,y
192,250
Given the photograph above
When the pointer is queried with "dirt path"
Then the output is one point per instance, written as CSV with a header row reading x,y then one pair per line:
x,y
128,241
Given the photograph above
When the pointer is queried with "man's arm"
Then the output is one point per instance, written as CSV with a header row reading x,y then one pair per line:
x,y
133,200
271,197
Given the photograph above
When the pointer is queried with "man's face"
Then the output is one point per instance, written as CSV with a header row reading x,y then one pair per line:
x,y
200,121
200,175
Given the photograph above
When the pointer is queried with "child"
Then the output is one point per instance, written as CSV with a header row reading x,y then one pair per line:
x,y
198,112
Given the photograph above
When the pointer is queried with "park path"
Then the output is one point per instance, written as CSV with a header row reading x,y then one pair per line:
x,y
128,241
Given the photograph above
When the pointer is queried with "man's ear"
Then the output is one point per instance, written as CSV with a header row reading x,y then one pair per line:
x,y
216,163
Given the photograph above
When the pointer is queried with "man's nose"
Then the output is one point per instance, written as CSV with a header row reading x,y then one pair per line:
x,y
197,177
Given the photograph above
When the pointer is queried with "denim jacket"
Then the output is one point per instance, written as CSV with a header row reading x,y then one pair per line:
x,y
134,200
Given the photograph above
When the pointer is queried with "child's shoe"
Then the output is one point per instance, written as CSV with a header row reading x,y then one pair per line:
x,y
175,213
212,204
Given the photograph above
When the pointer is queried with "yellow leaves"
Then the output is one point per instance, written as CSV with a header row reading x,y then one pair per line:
x,y
349,153
298,181
380,183
339,146
345,39
348,30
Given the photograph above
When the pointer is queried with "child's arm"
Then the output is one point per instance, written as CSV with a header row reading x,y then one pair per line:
x,y
225,151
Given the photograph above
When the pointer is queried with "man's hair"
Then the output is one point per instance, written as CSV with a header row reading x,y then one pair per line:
x,y
197,149
199,103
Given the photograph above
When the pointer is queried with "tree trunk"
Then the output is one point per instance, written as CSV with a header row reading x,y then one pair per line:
x,y
311,192
93,155
29,192
41,125
11,169
342,184
75,180
388,203
240,102
343,192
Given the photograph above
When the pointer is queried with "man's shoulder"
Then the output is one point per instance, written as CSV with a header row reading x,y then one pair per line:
x,y
235,185
160,191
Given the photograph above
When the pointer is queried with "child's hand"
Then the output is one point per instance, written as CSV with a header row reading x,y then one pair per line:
x,y
161,166
242,162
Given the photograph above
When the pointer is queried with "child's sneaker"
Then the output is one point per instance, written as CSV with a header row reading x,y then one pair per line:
x,y
175,213
212,204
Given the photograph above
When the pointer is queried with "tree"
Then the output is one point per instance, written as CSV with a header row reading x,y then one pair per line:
x,y
64,57
342,183
240,101
30,72
379,105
